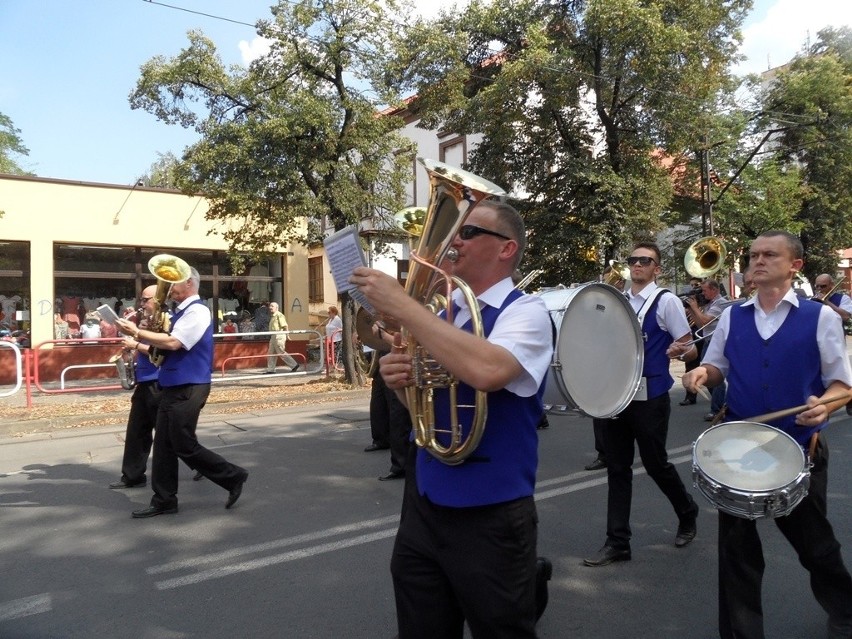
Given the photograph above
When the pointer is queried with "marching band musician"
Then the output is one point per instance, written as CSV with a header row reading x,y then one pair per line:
x,y
143,404
705,317
465,550
645,421
838,301
776,349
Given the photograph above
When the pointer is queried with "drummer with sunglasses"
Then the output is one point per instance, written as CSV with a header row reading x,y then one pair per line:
x,y
645,421
778,350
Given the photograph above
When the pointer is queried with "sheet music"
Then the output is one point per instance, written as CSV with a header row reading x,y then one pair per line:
x,y
108,314
345,255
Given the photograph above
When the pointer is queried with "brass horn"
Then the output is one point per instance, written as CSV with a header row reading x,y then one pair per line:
x,y
454,193
616,273
169,270
705,257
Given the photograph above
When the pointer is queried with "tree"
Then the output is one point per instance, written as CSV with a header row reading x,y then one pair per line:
x,y
295,136
163,173
11,145
576,101
815,94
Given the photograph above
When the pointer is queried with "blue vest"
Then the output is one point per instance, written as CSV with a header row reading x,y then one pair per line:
x,y
193,366
145,370
503,467
656,364
835,298
777,373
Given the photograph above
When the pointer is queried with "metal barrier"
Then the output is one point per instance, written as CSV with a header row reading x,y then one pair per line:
x,y
79,366
75,343
18,368
297,356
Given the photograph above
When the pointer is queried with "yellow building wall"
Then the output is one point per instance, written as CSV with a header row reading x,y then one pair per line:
x,y
45,211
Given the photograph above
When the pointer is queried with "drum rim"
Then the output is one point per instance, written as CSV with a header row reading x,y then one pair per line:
x,y
698,470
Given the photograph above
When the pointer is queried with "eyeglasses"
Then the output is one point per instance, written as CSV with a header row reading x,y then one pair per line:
x,y
821,286
470,231
145,299
642,260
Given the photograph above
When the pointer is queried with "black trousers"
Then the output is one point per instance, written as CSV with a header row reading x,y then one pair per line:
x,y
452,565
599,425
647,424
807,529
390,423
140,431
175,439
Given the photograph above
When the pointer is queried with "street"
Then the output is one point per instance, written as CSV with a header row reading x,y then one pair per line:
x,y
306,550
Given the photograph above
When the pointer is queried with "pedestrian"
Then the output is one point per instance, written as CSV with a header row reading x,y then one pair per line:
x,y
776,350
645,421
278,343
144,404
185,381
465,551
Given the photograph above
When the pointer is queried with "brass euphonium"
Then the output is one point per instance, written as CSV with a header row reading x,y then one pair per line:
x,y
453,195
168,270
126,367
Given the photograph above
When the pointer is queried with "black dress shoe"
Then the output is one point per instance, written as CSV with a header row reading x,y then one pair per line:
x,y
689,401
236,491
295,368
543,573
269,372
375,446
608,555
686,532
394,474
598,464
153,511
123,483
197,476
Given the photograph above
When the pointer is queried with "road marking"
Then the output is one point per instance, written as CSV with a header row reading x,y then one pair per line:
x,y
312,551
25,607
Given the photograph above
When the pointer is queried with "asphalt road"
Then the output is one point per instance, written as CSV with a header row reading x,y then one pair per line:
x,y
305,551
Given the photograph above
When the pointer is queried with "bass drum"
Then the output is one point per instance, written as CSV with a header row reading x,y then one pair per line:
x,y
599,354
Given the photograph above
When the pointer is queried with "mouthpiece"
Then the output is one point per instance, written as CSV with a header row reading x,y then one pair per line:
x,y
453,254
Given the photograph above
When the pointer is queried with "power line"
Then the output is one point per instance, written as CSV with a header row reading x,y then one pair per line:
x,y
201,13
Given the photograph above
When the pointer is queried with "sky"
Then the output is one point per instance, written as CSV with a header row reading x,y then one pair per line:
x,y
68,68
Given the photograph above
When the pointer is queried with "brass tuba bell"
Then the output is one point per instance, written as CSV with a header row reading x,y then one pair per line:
x,y
705,257
454,193
169,270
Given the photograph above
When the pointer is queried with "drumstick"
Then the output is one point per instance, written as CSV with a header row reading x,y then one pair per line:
x,y
704,393
768,417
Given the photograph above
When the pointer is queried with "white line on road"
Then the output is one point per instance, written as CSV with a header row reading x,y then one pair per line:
x,y
25,607
312,551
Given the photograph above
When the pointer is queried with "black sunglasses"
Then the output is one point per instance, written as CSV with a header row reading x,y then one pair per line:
x,y
642,260
145,299
470,231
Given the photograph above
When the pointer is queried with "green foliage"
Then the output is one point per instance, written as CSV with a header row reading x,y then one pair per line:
x,y
293,137
574,100
163,173
11,145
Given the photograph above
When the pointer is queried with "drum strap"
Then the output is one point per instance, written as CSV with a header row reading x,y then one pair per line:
x,y
647,305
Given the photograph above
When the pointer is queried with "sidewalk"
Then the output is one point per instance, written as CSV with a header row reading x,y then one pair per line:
x,y
63,412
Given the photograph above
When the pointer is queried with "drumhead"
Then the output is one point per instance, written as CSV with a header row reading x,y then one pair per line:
x,y
748,456
597,363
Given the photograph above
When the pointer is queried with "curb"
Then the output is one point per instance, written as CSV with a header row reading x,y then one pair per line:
x,y
212,412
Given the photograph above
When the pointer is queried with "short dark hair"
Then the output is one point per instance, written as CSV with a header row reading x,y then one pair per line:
x,y
511,223
651,246
793,242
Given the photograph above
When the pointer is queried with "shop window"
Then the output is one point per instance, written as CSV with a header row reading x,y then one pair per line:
x,y
14,290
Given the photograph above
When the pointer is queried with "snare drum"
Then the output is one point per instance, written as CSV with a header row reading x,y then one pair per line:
x,y
750,470
599,354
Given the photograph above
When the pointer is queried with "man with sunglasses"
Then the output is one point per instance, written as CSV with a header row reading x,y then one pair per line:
x,y
838,301
143,405
465,550
645,421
